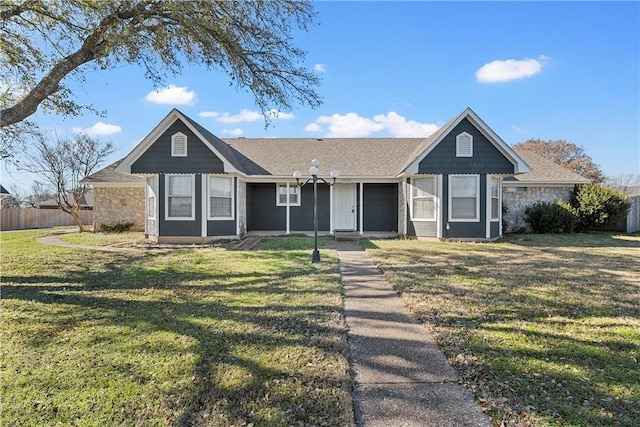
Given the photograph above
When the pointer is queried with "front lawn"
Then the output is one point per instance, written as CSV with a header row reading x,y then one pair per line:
x,y
203,337
544,329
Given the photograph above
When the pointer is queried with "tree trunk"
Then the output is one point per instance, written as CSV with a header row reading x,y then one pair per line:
x,y
76,218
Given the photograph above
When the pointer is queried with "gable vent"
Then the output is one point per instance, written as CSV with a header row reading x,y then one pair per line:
x,y
179,145
464,145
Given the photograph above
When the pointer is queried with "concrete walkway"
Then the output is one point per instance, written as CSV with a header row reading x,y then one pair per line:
x,y
401,377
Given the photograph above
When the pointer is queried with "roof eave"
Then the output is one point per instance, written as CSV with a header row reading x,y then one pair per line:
x,y
520,166
542,183
175,114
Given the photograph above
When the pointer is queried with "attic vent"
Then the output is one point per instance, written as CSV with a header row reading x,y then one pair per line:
x,y
464,145
179,145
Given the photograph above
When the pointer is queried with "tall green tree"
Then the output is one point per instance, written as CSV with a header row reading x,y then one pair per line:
x,y
44,42
565,154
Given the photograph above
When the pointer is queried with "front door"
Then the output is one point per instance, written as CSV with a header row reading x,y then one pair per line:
x,y
344,207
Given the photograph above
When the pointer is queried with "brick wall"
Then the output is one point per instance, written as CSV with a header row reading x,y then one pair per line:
x,y
516,199
119,204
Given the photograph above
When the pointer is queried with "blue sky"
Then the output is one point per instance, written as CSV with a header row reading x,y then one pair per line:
x,y
543,70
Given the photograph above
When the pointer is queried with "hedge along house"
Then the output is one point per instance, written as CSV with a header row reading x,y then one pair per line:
x,y
200,187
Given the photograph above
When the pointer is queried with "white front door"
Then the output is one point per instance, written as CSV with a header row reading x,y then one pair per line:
x,y
344,207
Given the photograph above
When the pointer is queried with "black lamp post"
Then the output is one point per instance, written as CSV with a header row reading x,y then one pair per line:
x,y
313,171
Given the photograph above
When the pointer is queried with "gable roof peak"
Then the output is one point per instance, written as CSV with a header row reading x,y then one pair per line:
x,y
432,141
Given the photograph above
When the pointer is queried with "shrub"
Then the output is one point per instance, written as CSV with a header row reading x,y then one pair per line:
x,y
547,217
598,207
116,227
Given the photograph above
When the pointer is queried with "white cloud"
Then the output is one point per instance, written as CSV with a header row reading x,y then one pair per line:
x,y
233,132
99,129
400,127
510,69
172,95
518,129
313,127
320,68
279,115
245,115
349,125
212,114
352,125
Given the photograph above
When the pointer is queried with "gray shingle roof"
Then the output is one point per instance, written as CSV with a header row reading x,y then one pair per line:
x,y
544,171
108,174
351,157
375,157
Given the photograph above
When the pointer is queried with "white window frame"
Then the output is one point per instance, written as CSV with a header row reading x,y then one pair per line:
x,y
233,197
167,178
173,145
288,202
491,197
434,196
151,194
450,198
459,137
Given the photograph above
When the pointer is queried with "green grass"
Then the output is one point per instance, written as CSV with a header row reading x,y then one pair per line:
x,y
294,242
102,239
202,337
544,329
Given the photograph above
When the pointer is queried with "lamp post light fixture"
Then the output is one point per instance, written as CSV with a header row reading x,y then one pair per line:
x,y
313,171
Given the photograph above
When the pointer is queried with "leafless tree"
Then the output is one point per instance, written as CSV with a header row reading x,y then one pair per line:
x,y
63,163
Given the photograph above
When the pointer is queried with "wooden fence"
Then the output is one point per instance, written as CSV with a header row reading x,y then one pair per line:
x,y
22,219
633,217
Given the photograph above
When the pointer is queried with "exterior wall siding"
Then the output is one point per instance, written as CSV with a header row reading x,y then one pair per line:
x,y
224,227
419,228
264,215
422,228
516,199
301,217
180,228
242,207
463,230
495,229
119,204
262,212
157,158
151,230
380,202
487,159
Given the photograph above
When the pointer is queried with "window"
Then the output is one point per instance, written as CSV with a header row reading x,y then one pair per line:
x,y
423,198
180,197
495,199
179,145
151,198
220,198
287,193
464,198
464,145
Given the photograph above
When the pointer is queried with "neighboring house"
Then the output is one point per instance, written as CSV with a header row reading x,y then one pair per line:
x,y
86,202
547,182
198,187
6,199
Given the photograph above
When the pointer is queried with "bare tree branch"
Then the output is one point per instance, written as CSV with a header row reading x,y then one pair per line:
x,y
250,41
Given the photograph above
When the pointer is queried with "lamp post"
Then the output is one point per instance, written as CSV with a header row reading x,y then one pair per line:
x,y
313,171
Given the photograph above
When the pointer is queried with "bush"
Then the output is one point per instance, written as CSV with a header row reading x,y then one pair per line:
x,y
116,227
598,207
547,217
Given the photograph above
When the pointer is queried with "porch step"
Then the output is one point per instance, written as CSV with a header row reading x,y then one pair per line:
x,y
346,235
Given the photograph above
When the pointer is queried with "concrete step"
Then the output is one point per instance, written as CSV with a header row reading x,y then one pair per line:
x,y
346,235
